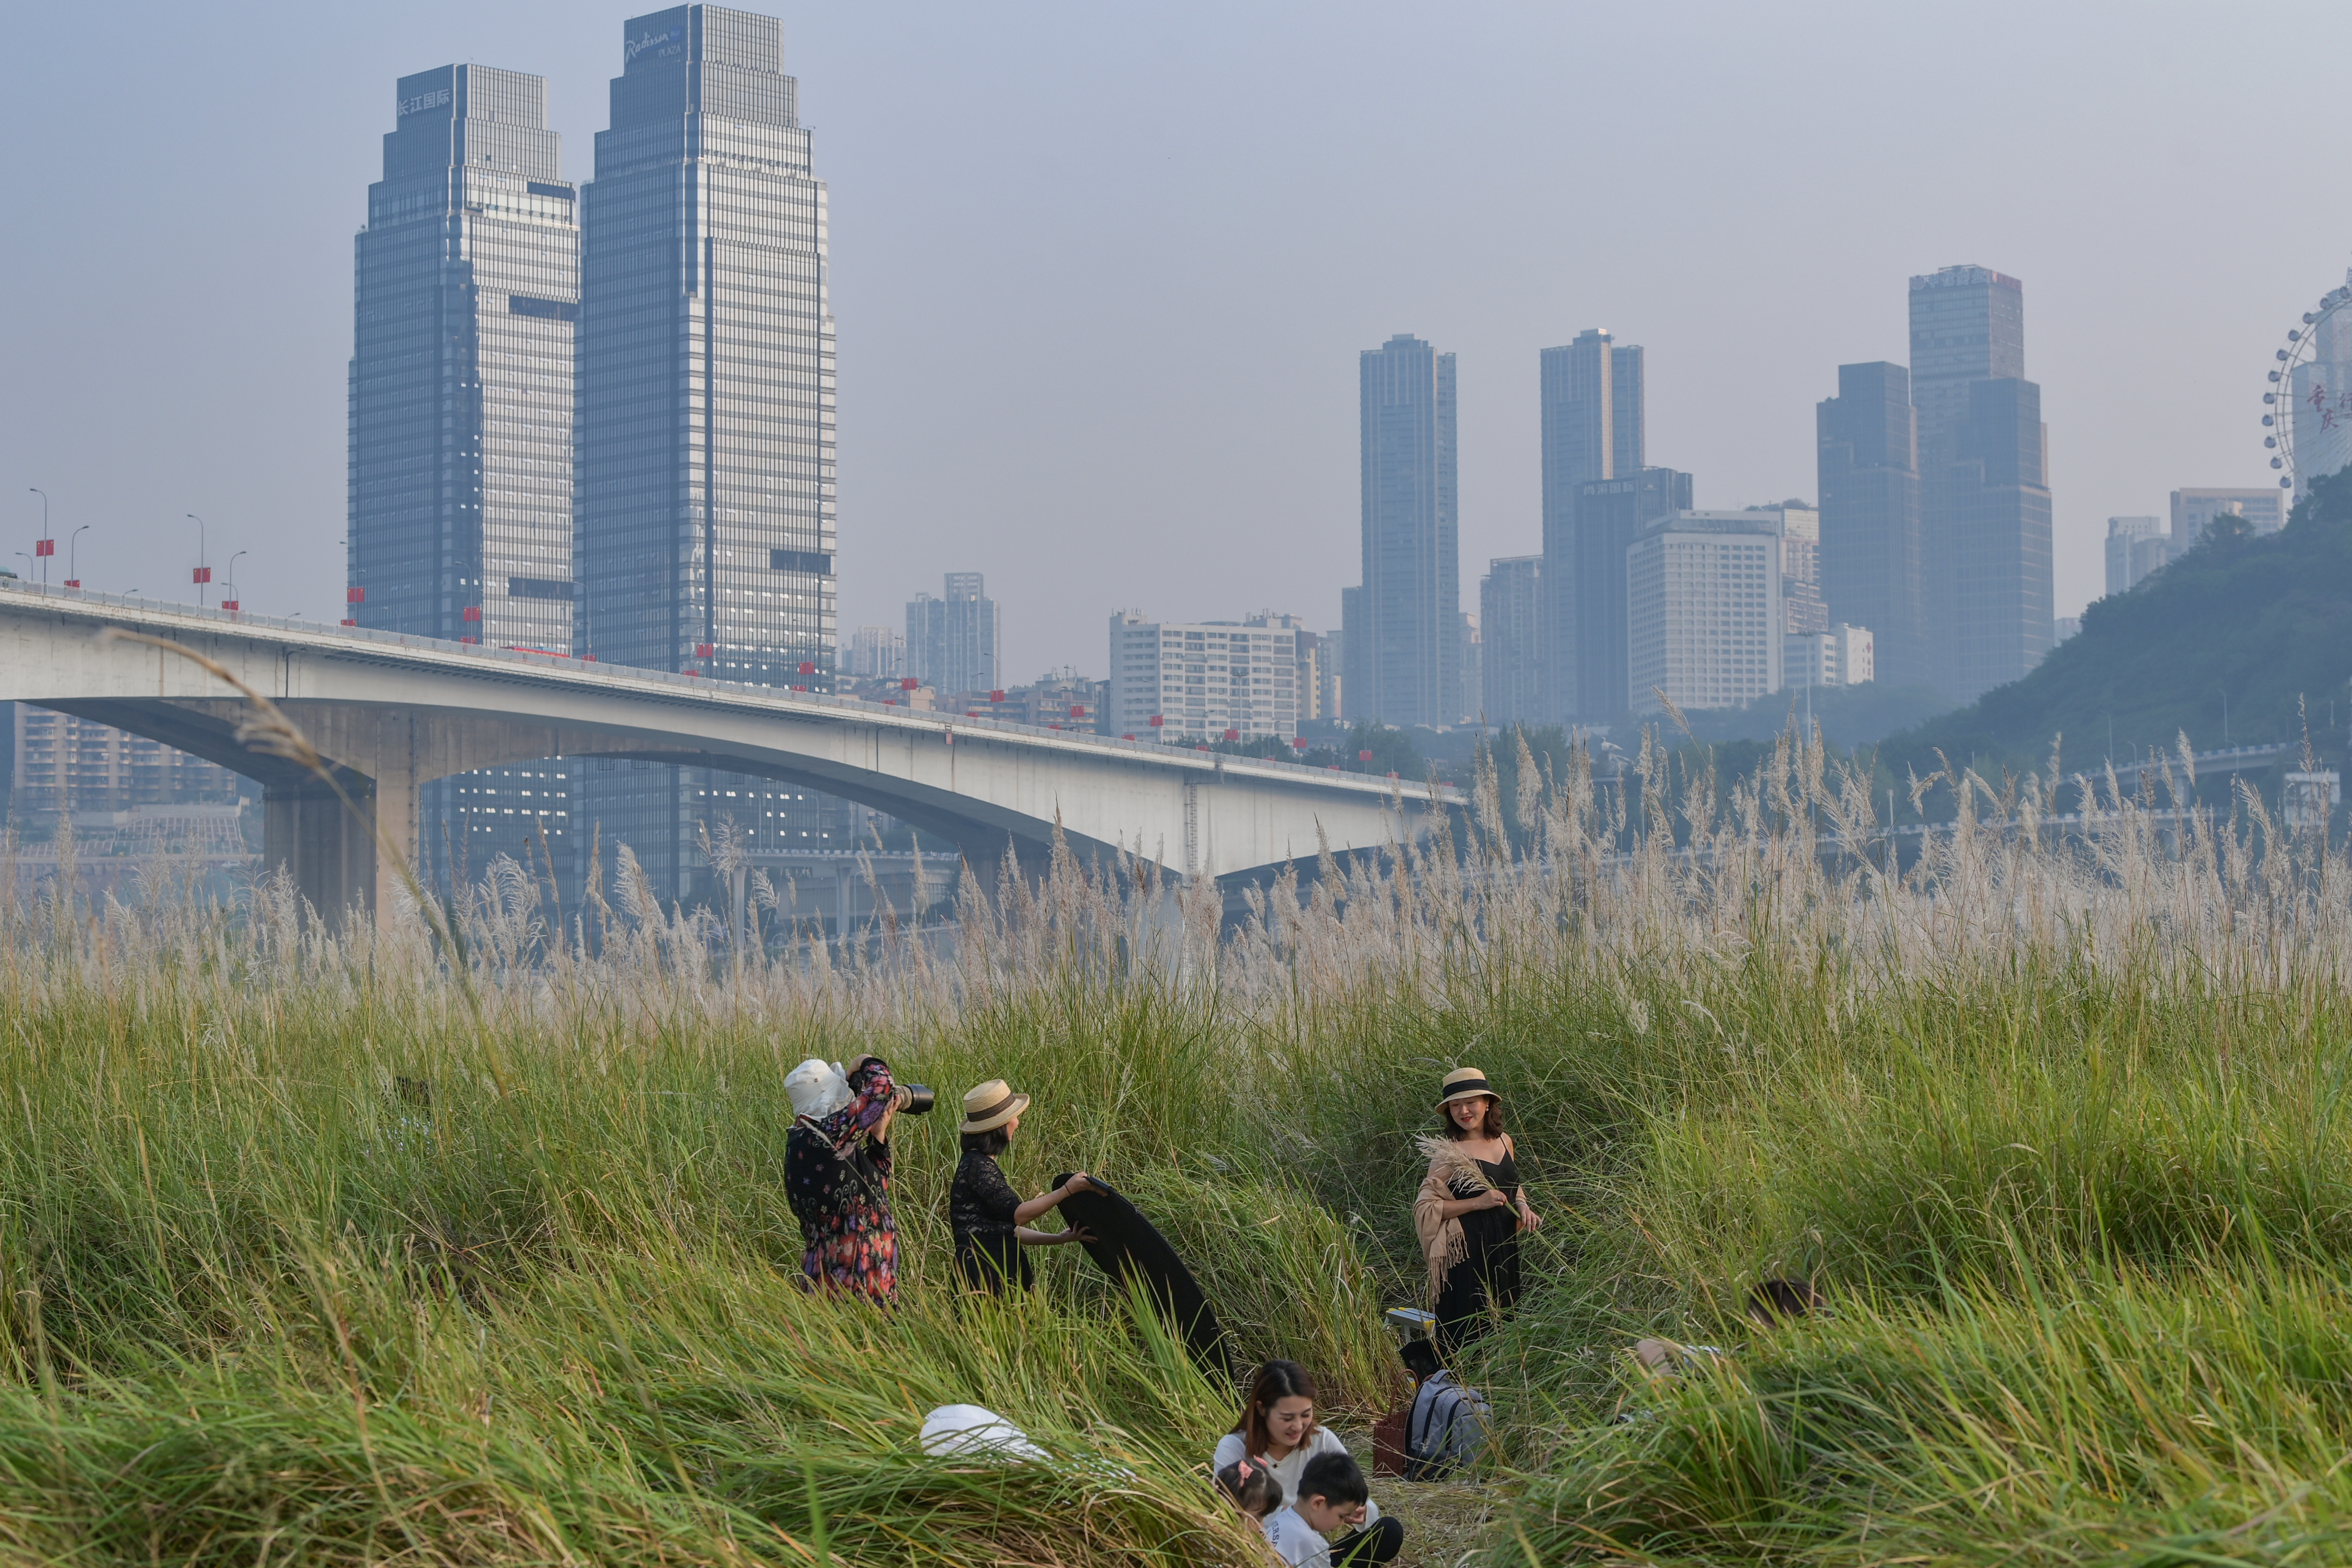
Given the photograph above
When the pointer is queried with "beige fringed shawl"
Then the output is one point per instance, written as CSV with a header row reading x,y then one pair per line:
x,y
1450,1167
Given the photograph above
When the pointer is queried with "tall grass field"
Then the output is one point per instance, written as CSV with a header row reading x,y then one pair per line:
x,y
462,1237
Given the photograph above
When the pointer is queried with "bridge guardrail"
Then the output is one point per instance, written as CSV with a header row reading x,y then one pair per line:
x,y
952,723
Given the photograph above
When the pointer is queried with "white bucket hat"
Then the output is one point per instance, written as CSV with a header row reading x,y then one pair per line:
x,y
818,1087
971,1431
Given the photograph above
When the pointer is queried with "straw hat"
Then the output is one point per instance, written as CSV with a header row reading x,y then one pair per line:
x,y
991,1106
1466,1083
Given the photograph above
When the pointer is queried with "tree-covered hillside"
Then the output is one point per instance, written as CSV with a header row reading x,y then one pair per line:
x,y
2257,623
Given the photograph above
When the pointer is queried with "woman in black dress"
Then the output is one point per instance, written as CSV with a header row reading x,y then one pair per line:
x,y
1470,1212
990,1220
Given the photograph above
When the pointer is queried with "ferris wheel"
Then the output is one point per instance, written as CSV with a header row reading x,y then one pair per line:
x,y
2301,394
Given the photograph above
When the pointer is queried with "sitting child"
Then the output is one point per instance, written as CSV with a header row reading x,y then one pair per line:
x,y
1326,1528
1252,1489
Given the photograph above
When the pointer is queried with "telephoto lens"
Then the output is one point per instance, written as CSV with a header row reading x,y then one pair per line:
x,y
917,1098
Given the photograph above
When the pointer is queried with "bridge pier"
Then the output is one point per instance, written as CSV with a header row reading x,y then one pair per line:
x,y
328,849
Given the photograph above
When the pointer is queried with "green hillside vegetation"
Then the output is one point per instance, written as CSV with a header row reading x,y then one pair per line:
x,y
2263,623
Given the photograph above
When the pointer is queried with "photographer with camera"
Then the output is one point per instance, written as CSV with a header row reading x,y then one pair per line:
x,y
837,1172
989,1219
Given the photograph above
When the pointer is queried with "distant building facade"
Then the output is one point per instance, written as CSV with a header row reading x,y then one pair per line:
x,y
1801,610
1592,428
1404,625
1840,655
1474,661
1511,609
2137,548
874,653
1202,681
956,642
1985,484
1873,551
705,520
1610,514
1704,596
466,293
66,765
2194,510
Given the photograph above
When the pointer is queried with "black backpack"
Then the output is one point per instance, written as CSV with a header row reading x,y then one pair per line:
x,y
1446,1430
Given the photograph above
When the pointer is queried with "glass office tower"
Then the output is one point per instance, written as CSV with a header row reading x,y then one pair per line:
x,y
1592,428
1404,636
467,291
1984,482
705,526
1872,562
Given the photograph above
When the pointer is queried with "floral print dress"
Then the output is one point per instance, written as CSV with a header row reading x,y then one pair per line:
x,y
837,1178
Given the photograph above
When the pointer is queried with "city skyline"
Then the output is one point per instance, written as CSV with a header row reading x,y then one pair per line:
x,y
2184,418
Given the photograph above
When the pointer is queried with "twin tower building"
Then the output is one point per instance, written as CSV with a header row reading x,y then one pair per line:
x,y
597,419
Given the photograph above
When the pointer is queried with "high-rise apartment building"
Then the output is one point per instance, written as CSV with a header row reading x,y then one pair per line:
x,y
1313,650
1840,655
1511,614
874,653
705,509
1204,680
1801,610
66,764
467,294
1609,514
1402,625
1704,592
2194,510
2137,548
1331,697
956,643
1592,428
1873,552
1985,482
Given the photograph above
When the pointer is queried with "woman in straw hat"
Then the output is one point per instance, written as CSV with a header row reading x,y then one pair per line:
x,y
989,1219
1470,1211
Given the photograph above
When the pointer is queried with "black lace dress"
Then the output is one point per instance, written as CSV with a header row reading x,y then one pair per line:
x,y
1486,1280
979,1209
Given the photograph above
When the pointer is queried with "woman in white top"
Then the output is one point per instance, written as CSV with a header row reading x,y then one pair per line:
x,y
1278,1429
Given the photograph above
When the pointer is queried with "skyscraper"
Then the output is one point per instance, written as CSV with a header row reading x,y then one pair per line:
x,y
1403,641
1873,557
1609,514
1592,428
1511,615
1984,482
705,516
956,643
466,289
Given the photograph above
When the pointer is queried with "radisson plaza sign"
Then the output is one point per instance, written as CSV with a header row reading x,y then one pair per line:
x,y
660,41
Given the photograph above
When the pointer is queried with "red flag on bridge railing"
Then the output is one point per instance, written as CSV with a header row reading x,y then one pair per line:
x,y
45,547
203,575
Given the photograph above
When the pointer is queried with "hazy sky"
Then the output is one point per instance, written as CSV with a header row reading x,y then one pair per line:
x,y
1102,272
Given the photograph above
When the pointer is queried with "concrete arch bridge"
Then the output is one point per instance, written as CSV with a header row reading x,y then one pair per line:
x,y
391,713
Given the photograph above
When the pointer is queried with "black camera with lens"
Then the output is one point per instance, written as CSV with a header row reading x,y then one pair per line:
x,y
917,1098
